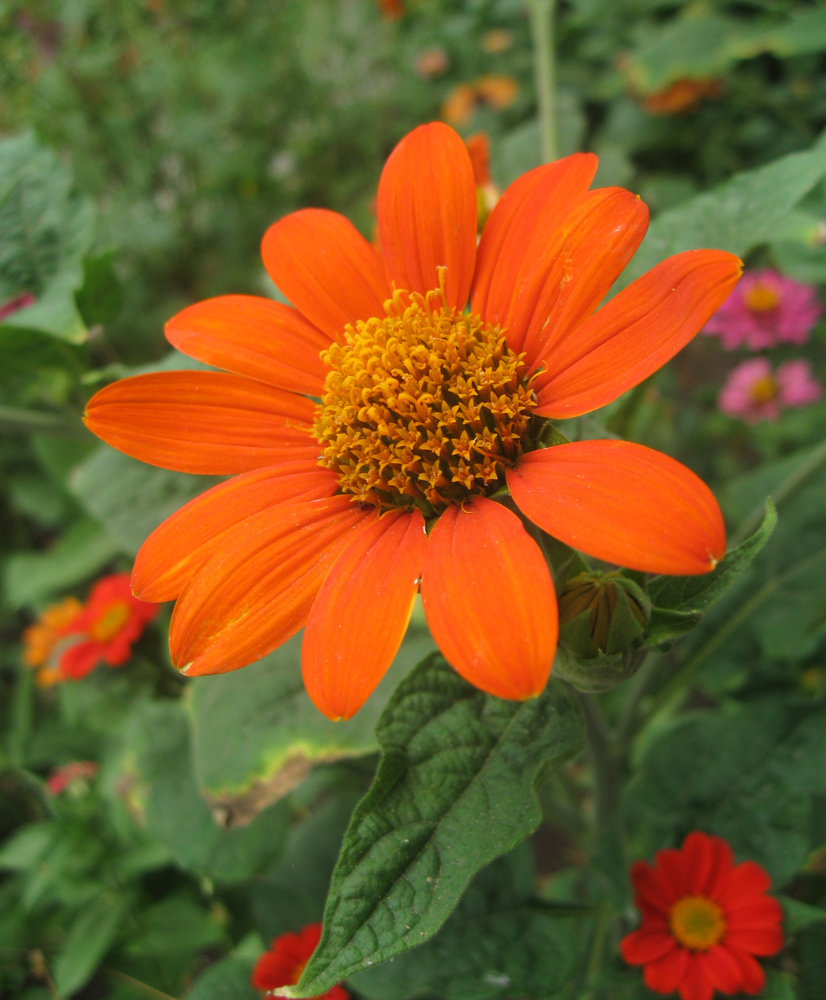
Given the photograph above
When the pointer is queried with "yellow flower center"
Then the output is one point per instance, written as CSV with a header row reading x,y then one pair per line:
x,y
764,390
111,621
761,298
424,406
697,922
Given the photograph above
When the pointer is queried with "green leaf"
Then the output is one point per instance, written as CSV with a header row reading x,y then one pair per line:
x,y
226,980
276,733
101,295
24,850
497,943
697,46
737,216
455,789
90,936
175,813
744,773
176,925
129,498
30,577
799,915
693,595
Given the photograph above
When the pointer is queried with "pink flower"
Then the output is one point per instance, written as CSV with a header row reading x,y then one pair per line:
x,y
753,392
765,309
77,770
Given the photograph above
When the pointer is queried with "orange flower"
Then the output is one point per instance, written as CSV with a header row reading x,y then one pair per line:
x,y
392,9
496,40
681,95
110,622
41,639
704,919
287,958
487,193
427,413
496,92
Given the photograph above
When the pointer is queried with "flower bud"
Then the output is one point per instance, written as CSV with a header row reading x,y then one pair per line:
x,y
603,618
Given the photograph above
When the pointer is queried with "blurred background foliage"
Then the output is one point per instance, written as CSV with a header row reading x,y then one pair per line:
x,y
145,146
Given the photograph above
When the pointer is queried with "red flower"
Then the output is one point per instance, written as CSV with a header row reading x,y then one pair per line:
x,y
703,921
283,964
377,404
110,622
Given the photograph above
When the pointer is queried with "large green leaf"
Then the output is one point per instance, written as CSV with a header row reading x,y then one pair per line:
x,y
739,215
177,815
226,980
498,942
455,789
129,498
275,732
746,773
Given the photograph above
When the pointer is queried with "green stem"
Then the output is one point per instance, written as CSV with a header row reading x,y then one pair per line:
x,y
28,421
597,951
781,493
603,763
542,28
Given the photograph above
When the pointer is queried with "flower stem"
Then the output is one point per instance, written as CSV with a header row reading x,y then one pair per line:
x,y
542,29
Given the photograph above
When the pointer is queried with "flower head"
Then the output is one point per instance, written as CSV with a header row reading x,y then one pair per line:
x,y
753,391
40,640
681,96
496,40
493,91
283,964
704,918
76,771
111,621
764,310
391,9
371,428
431,62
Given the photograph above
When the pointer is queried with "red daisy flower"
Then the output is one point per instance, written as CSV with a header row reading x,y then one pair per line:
x,y
427,413
704,918
283,964
111,621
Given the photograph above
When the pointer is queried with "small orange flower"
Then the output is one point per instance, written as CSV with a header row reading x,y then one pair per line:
x,y
110,622
680,96
287,958
703,921
497,92
392,9
496,40
426,414
41,639
431,62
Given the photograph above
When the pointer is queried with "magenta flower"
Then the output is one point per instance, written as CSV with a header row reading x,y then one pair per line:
x,y
766,309
753,392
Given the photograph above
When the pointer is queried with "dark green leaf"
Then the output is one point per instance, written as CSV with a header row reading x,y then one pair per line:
x,y
497,943
226,980
455,789
101,295
745,773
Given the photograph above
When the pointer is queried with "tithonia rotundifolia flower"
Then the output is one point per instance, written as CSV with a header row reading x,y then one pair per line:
x,y
372,427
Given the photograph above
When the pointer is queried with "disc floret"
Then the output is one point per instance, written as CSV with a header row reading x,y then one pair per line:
x,y
424,406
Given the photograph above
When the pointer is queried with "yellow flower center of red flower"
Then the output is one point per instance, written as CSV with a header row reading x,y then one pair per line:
x,y
697,922
764,390
111,621
424,406
761,298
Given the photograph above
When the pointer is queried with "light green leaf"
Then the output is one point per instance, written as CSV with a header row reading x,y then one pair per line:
x,y
799,915
276,733
697,46
455,789
739,215
228,979
744,773
30,577
90,936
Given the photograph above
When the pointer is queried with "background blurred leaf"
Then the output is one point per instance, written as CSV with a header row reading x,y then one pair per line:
x,y
225,980
275,733
88,939
455,788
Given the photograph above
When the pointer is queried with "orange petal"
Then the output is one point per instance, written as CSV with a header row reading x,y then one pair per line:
x,y
256,590
635,333
489,599
176,548
361,613
535,203
252,336
326,268
566,274
427,212
203,422
622,503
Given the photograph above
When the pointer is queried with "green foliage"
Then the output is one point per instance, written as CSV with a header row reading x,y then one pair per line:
x,y
89,937
455,788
